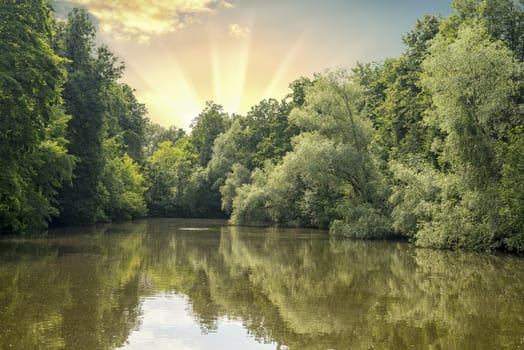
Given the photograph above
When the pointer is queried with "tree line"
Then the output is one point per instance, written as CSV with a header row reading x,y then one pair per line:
x,y
426,146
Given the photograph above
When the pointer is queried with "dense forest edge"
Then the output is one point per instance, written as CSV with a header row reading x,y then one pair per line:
x,y
427,146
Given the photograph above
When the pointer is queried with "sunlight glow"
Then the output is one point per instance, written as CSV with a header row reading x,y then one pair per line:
x,y
229,68
217,62
280,73
171,96
182,53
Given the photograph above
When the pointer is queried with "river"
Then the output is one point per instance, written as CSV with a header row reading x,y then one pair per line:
x,y
200,284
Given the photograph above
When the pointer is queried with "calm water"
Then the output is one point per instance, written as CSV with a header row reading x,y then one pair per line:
x,y
171,284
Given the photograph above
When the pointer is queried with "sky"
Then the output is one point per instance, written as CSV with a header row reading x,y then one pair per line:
x,y
181,53
167,322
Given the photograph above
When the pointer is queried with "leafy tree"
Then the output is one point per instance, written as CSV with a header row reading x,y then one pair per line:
x,y
512,190
154,134
238,176
81,201
169,172
503,19
329,172
305,188
205,128
122,184
201,198
107,127
126,117
394,100
271,130
298,90
34,161
470,81
249,204
264,134
231,147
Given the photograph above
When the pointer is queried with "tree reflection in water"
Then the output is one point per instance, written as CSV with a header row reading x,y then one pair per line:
x,y
85,288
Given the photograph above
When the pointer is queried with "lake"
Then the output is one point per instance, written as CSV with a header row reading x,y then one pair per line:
x,y
200,284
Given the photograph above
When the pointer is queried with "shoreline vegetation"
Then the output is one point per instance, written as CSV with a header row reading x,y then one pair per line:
x,y
426,146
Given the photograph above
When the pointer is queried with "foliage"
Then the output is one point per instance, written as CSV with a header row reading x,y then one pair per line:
x,y
81,200
503,20
205,128
106,131
264,134
169,173
512,190
249,204
329,164
34,161
470,80
123,185
231,147
471,108
154,134
238,176
126,117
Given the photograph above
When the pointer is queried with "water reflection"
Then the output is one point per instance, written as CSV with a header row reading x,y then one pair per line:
x,y
167,324
200,285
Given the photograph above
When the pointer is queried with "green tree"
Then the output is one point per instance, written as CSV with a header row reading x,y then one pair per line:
x,y
81,201
122,184
126,117
238,176
205,128
329,176
264,134
271,130
394,99
503,19
298,90
231,147
471,84
249,206
107,127
512,190
470,79
34,161
169,171
154,134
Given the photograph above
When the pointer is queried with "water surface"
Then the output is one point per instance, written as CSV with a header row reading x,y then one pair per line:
x,y
182,284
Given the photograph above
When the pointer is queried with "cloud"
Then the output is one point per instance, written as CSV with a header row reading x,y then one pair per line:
x,y
237,31
140,20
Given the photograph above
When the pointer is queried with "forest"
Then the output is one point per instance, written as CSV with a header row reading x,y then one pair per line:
x,y
425,147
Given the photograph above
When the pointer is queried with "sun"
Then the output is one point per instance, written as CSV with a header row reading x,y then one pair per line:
x,y
227,69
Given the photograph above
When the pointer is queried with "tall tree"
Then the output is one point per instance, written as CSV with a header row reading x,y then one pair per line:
x,y
126,118
81,201
394,99
205,128
470,79
92,97
33,161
